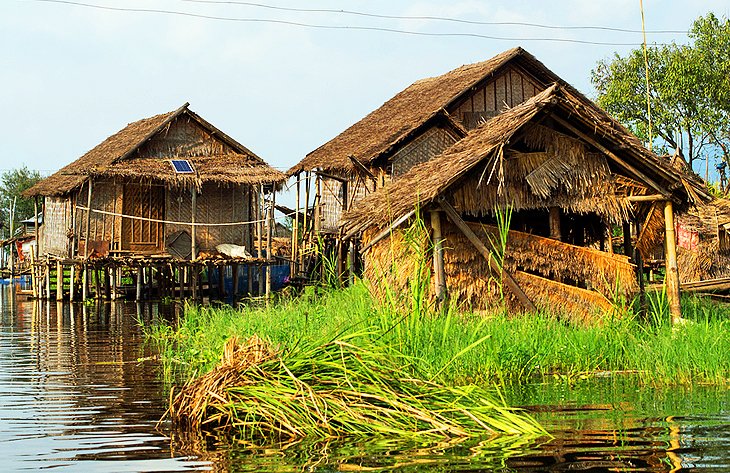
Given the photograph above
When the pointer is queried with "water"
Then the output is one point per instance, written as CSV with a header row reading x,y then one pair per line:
x,y
79,391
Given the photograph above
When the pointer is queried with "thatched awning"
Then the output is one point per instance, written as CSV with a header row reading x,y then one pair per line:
x,y
122,155
488,142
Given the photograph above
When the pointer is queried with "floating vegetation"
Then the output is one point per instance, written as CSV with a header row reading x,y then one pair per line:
x,y
332,390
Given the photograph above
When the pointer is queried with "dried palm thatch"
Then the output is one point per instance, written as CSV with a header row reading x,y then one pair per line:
x,y
652,231
710,259
141,151
604,272
393,265
334,389
390,125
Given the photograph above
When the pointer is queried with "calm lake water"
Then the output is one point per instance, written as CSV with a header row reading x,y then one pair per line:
x,y
79,391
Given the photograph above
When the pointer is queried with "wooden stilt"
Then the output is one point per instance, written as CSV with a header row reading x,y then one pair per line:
x,y
138,295
351,264
194,275
627,239
438,257
107,283
97,284
234,268
260,230
84,282
249,280
221,283
72,283
47,277
181,281
672,278
59,281
295,233
269,246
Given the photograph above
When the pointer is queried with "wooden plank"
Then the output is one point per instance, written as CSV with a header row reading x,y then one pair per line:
x,y
646,198
507,278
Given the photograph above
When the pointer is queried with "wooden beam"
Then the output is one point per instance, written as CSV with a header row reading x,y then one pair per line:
x,y
438,257
362,168
193,210
646,198
88,221
332,176
613,156
555,232
507,278
672,276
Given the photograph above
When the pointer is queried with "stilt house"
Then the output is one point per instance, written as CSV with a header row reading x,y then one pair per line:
x,y
167,189
569,174
141,189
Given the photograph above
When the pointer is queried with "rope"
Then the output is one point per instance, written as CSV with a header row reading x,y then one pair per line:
x,y
173,222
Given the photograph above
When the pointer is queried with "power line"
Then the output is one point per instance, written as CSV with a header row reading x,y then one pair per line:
x,y
331,27
431,18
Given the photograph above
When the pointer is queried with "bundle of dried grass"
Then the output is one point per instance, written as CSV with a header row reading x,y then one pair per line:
x,y
198,401
335,389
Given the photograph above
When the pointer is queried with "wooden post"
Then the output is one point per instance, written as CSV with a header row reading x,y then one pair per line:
x,y
36,250
260,228
351,264
506,277
222,283
88,223
97,284
59,280
71,282
107,283
12,244
194,275
672,278
234,291
47,277
34,273
138,295
555,231
627,239
438,257
193,249
269,243
84,282
295,235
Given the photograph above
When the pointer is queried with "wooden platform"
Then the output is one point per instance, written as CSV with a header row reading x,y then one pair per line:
x,y
708,285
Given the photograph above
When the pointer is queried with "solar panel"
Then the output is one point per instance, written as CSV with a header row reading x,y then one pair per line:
x,y
182,166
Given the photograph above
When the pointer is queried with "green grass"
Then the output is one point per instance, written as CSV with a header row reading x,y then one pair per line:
x,y
457,349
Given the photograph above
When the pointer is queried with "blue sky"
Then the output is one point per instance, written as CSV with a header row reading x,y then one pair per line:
x,y
73,75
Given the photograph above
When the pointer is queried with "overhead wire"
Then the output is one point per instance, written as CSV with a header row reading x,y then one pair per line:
x,y
332,27
429,17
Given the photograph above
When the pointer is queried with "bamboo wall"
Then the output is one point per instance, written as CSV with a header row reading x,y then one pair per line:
x,y
215,204
425,147
56,222
105,196
184,137
506,90
332,200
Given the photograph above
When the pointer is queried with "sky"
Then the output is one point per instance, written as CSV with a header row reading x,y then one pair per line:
x,y
72,74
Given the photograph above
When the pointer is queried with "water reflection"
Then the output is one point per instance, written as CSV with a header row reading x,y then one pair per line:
x,y
79,391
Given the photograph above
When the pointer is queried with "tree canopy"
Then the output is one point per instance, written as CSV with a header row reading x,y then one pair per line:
x,y
12,184
689,89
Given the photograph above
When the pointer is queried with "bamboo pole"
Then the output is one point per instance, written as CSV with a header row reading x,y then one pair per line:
x,y
194,206
59,280
672,278
438,257
71,282
269,245
295,235
138,295
47,278
12,243
627,239
506,277
260,230
88,222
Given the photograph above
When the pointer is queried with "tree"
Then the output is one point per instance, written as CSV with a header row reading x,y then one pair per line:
x,y
12,184
688,89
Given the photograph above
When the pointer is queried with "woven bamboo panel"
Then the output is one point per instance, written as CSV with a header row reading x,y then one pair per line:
x,y
184,138
56,223
331,203
428,145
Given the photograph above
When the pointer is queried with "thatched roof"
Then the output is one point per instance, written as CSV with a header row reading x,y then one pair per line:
x,y
425,182
385,128
122,155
